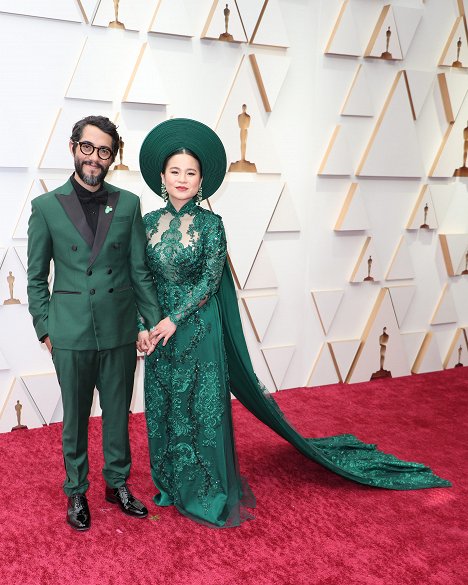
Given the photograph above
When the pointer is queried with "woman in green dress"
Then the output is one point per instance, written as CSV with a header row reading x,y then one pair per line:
x,y
203,357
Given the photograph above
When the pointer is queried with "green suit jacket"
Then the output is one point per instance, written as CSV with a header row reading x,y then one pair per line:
x,y
99,281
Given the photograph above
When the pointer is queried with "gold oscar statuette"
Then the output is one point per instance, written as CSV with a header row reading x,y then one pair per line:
x,y
116,23
425,226
382,373
466,264
243,165
386,54
225,36
18,408
121,166
11,282
459,363
463,170
369,278
458,63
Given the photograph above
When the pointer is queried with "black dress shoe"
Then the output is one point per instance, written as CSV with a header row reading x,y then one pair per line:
x,y
78,515
128,504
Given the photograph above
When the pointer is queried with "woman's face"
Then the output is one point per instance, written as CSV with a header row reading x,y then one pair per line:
x,y
182,178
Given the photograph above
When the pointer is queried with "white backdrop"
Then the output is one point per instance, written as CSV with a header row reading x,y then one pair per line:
x,y
349,148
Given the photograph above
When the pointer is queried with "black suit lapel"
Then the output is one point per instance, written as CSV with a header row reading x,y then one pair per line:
x,y
72,206
106,213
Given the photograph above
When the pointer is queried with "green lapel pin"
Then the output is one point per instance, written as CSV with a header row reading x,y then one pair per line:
x,y
108,209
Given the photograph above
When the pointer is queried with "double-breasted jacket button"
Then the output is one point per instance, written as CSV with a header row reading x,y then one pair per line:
x,y
111,290
92,291
89,272
74,247
109,271
116,245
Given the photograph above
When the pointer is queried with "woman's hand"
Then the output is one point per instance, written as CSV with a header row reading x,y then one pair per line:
x,y
163,330
144,343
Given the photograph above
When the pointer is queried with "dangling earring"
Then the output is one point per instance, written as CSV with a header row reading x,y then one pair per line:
x,y
164,194
199,195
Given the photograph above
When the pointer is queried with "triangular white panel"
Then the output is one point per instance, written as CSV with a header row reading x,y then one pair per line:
x,y
327,303
450,54
401,265
453,248
344,352
412,342
4,365
171,18
377,352
244,238
262,274
393,150
18,396
453,87
344,39
45,391
353,215
250,11
285,217
442,197
55,9
270,72
428,358
407,20
260,310
401,297
450,154
260,148
278,360
337,159
58,412
420,84
445,311
359,101
457,355
103,83
216,23
385,38
12,273
270,29
146,85
57,154
324,370
423,215
133,14
21,229
22,253
367,268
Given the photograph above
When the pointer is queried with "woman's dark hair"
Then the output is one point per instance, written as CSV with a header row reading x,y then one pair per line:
x,y
182,151
101,122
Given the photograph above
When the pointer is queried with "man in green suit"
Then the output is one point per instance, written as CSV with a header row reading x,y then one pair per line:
x,y
95,236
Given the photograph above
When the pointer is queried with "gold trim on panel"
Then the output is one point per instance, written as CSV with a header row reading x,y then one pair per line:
x,y
154,15
83,12
408,89
346,206
441,150
209,19
459,331
350,91
450,40
447,258
262,12
461,7
331,144
236,279
422,352
259,80
379,122
377,29
335,363
367,328
9,393
416,207
360,259
134,72
76,66
230,91
252,324
447,102
50,137
394,257
336,27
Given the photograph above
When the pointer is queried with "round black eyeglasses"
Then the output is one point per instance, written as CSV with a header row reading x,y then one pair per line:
x,y
104,153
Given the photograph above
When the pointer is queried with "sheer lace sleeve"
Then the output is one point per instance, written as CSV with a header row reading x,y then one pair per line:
x,y
214,251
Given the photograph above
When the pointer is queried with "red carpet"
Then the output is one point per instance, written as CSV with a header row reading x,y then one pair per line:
x,y
311,527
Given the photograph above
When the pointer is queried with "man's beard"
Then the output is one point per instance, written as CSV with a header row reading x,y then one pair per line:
x,y
91,180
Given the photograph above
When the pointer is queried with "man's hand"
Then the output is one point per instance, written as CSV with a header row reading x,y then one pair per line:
x,y
163,330
48,343
144,343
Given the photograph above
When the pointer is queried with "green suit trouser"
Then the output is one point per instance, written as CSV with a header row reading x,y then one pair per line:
x,y
112,372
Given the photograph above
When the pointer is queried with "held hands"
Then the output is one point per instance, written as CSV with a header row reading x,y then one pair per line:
x,y
163,330
144,343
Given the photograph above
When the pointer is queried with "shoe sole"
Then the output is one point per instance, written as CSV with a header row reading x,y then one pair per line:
x,y
116,501
84,529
